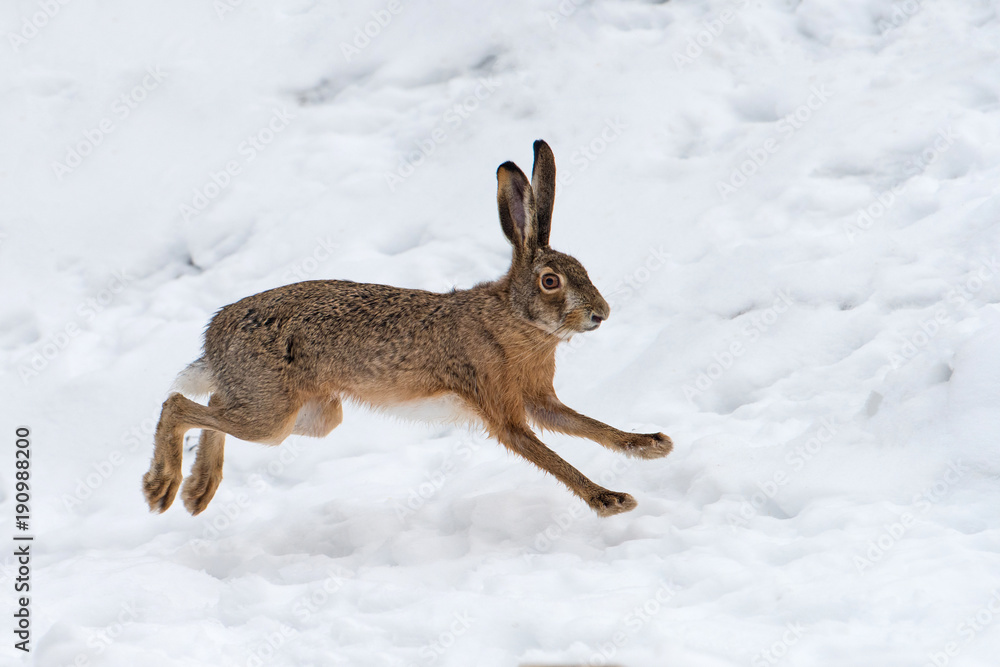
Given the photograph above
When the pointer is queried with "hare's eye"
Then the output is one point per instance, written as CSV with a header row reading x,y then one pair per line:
x,y
550,281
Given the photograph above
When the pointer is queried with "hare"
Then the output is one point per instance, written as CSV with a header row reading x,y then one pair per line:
x,y
280,362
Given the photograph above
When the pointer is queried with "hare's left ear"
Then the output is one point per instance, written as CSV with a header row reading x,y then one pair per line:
x,y
543,185
516,205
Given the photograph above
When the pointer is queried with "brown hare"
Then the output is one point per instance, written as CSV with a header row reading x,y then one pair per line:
x,y
281,362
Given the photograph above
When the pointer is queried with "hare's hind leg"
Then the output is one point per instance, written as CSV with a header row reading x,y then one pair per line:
x,y
265,419
199,488
316,418
160,484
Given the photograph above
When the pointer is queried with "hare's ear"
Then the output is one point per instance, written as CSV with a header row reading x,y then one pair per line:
x,y
517,208
543,186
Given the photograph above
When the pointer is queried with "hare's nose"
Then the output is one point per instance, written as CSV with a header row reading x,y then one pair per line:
x,y
600,311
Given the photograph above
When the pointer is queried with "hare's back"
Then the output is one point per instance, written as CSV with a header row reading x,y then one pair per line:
x,y
330,305
320,318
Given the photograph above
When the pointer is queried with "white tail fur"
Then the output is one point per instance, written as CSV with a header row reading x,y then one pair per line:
x,y
195,380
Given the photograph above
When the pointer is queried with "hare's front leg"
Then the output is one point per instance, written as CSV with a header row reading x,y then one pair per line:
x,y
521,440
549,413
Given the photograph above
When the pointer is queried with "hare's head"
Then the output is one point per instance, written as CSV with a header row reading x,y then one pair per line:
x,y
548,288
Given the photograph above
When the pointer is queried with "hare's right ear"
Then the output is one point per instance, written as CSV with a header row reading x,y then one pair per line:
x,y
516,204
543,186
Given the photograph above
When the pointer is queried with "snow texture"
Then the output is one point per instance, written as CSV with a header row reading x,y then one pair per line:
x,y
791,207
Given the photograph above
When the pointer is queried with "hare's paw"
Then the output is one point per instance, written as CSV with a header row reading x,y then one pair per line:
x,y
160,488
609,503
647,445
199,489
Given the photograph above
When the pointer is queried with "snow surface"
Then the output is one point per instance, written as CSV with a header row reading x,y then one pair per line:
x,y
822,340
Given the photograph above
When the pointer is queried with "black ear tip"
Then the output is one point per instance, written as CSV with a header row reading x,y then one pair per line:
x,y
539,144
508,166
513,170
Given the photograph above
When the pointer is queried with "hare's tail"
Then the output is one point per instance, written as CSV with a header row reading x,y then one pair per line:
x,y
195,380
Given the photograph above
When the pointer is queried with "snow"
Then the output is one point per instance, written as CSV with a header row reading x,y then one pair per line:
x,y
819,333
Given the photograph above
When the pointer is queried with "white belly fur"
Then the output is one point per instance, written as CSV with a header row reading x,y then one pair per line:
x,y
448,408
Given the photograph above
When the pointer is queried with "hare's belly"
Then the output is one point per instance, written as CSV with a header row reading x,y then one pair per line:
x,y
443,408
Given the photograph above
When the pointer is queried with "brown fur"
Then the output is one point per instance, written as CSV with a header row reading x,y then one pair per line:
x,y
281,361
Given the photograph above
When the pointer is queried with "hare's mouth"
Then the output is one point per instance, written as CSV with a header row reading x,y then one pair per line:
x,y
593,321
580,321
